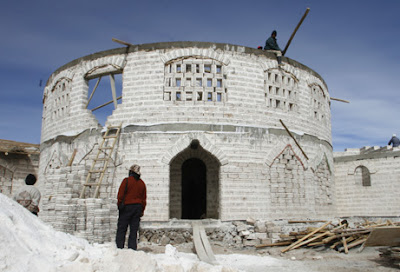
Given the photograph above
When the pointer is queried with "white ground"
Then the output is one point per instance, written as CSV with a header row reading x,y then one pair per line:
x,y
28,244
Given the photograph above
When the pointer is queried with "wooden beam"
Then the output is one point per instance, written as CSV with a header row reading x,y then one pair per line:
x,y
340,100
105,104
72,157
114,96
304,238
121,42
94,89
290,134
294,32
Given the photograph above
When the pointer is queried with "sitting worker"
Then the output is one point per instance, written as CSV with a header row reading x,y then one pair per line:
x,y
28,195
272,46
394,141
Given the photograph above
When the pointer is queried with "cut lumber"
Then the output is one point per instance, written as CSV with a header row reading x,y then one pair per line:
x,y
305,237
284,243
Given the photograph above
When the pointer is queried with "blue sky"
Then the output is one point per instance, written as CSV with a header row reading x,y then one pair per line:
x,y
353,45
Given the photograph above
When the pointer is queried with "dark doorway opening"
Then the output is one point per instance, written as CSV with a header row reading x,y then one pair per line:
x,y
194,189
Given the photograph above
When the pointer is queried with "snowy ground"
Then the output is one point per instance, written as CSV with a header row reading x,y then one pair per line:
x,y
28,244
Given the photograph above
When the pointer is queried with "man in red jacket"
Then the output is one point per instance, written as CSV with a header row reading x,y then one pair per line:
x,y
131,206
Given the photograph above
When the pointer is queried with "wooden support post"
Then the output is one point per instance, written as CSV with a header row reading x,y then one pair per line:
x,y
290,134
94,89
294,32
72,157
114,96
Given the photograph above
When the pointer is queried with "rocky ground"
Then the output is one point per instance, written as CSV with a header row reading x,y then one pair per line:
x,y
302,259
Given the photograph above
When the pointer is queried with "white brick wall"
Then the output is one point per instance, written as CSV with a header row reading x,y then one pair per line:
x,y
241,138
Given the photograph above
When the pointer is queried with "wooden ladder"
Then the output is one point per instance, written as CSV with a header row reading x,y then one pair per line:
x,y
100,163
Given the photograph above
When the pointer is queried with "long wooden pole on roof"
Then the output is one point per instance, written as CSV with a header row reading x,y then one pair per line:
x,y
121,42
294,32
340,100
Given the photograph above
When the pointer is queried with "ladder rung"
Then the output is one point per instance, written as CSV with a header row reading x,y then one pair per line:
x,y
109,136
102,159
113,127
96,171
91,184
107,147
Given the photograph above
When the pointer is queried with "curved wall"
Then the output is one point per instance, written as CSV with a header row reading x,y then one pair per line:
x,y
230,99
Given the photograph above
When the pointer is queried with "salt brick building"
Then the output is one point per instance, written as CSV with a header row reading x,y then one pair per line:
x,y
206,122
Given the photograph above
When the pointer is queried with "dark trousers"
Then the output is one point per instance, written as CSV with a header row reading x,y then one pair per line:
x,y
129,216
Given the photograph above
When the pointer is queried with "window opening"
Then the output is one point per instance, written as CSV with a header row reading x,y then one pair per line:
x,y
105,95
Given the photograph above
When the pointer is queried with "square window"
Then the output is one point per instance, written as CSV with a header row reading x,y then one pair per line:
x,y
219,83
188,68
207,68
219,69
209,96
178,82
197,68
199,96
278,104
219,97
178,96
189,96
178,68
209,82
199,82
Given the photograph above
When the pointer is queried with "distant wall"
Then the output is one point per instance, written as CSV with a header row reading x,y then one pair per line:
x,y
368,181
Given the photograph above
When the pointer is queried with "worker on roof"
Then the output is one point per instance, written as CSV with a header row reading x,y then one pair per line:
x,y
394,141
271,45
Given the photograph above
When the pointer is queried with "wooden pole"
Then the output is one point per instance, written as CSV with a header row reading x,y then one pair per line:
x,y
94,89
121,42
105,104
341,100
290,134
294,32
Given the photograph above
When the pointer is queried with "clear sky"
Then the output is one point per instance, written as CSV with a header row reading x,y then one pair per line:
x,y
353,45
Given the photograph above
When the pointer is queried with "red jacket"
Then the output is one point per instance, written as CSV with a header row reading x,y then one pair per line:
x,y
136,193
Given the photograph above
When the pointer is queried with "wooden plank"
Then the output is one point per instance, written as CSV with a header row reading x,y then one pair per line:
x,y
283,243
316,237
384,236
207,246
305,237
198,244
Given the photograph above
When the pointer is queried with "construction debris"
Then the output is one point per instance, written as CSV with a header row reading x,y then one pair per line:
x,y
339,237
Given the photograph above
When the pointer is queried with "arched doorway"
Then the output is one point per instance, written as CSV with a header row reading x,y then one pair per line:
x,y
194,189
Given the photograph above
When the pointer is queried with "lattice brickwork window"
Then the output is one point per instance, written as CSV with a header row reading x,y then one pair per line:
x,y
60,99
319,103
194,79
280,90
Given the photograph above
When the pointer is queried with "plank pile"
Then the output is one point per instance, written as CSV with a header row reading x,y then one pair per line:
x,y
339,237
391,255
